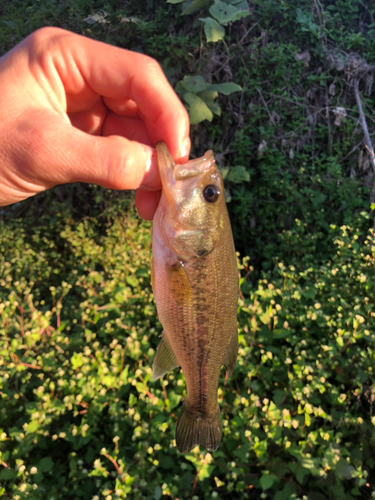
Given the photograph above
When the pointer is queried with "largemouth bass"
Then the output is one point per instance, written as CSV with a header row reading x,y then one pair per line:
x,y
195,284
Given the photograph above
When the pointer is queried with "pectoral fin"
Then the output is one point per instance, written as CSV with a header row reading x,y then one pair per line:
x,y
179,284
165,360
231,356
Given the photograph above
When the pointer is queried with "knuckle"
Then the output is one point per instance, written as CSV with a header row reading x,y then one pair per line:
x,y
152,66
42,42
38,38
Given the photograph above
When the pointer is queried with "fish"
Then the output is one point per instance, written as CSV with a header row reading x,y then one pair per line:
x,y
195,285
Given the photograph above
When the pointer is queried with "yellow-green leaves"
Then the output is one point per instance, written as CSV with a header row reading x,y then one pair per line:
x,y
290,410
223,13
230,11
212,29
198,109
201,97
267,480
237,174
226,88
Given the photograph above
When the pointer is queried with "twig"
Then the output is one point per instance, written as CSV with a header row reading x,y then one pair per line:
x,y
15,359
330,135
362,120
116,466
165,395
194,484
269,114
351,152
247,32
368,142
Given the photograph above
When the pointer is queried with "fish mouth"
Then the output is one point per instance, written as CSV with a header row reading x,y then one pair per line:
x,y
166,166
170,172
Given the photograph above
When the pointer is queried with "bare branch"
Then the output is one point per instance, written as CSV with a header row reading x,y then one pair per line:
x,y
362,120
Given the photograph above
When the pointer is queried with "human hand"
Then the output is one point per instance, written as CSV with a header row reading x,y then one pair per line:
x,y
76,110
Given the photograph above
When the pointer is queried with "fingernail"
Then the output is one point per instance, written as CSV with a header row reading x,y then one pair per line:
x,y
150,162
151,180
185,150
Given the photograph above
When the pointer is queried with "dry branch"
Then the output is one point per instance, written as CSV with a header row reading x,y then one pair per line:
x,y
362,120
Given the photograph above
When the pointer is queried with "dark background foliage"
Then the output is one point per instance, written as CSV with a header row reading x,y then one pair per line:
x,y
80,416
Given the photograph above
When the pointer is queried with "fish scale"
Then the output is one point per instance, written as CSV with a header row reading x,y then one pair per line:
x,y
195,284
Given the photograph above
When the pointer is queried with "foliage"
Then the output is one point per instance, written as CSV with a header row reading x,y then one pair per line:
x,y
200,97
81,417
294,126
222,14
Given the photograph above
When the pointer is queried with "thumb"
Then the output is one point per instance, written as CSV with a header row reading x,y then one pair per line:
x,y
48,150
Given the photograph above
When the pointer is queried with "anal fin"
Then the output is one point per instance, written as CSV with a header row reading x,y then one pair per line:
x,y
164,360
231,356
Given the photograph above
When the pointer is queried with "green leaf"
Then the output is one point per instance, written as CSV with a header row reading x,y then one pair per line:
x,y
192,458
45,465
124,375
109,381
175,1
172,401
278,396
307,419
130,280
10,24
32,427
212,29
157,492
206,471
260,448
132,400
198,109
238,174
225,13
267,481
299,470
225,88
280,333
308,463
273,411
286,492
240,4
141,387
344,469
209,97
193,6
193,83
76,360
6,474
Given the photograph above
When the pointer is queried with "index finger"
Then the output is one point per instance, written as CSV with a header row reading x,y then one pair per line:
x,y
88,68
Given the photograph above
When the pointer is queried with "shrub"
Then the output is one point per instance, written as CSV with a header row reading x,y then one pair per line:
x,y
81,418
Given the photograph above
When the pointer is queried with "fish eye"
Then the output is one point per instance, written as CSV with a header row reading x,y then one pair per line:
x,y
211,193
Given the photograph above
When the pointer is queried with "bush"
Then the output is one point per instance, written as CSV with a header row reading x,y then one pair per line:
x,y
81,417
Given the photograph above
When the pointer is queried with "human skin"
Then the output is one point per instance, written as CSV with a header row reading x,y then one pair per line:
x,y
77,110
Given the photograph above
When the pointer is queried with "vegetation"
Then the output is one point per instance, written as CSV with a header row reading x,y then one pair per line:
x,y
80,415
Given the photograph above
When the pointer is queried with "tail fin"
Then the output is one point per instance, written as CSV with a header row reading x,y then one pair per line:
x,y
193,430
